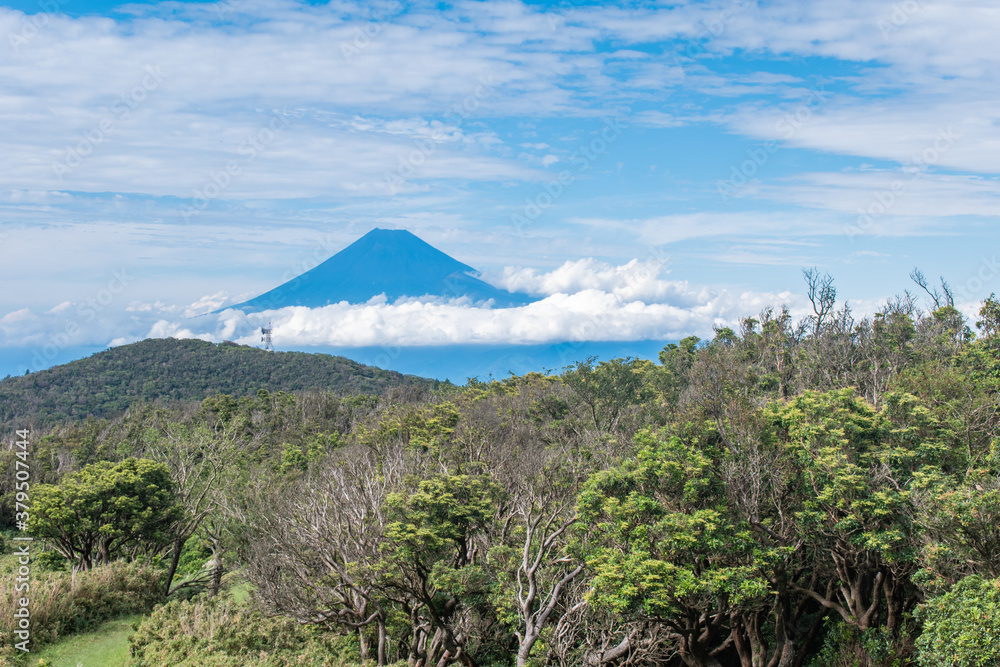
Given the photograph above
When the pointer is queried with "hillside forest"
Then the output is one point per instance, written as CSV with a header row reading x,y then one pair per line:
x,y
820,493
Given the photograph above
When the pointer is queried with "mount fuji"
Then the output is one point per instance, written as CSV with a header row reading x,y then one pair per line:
x,y
393,262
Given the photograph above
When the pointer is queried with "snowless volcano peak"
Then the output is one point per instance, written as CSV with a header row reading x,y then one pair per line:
x,y
393,262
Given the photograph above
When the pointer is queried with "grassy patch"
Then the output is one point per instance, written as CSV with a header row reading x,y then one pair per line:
x,y
239,591
107,646
8,563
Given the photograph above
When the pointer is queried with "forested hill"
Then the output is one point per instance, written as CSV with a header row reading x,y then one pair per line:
x,y
168,369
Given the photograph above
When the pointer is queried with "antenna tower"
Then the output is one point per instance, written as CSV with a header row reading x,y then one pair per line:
x,y
265,337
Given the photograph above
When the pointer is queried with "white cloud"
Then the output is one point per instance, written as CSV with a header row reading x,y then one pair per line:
x,y
668,229
178,94
586,315
920,69
159,103
634,281
21,315
584,300
206,304
657,119
897,192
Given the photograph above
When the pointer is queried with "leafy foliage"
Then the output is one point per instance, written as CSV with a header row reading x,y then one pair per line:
x,y
962,627
168,370
223,633
819,493
106,511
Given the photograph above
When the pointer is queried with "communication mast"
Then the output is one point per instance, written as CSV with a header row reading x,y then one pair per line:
x,y
266,337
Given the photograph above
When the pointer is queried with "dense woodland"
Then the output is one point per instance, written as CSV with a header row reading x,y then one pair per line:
x,y
819,493
169,370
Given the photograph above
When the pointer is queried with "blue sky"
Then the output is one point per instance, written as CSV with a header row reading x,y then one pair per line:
x,y
654,169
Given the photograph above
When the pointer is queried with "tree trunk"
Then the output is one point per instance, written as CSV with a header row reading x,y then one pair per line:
x,y
363,648
381,642
694,655
748,639
785,631
218,569
597,659
418,638
743,651
524,650
174,560
433,646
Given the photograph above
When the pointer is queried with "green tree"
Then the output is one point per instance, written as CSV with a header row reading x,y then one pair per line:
x,y
663,547
962,627
433,557
676,360
106,511
855,466
989,313
608,389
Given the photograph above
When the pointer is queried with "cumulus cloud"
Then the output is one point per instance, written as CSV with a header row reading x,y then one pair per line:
x,y
635,281
206,304
585,300
21,315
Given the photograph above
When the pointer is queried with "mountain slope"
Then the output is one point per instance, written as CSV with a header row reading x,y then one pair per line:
x,y
393,262
108,382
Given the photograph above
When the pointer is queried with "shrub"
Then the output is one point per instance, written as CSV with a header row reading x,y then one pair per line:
x,y
219,632
63,603
847,646
52,561
962,627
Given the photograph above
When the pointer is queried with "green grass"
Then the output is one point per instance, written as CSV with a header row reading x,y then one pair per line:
x,y
239,591
107,646
8,563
